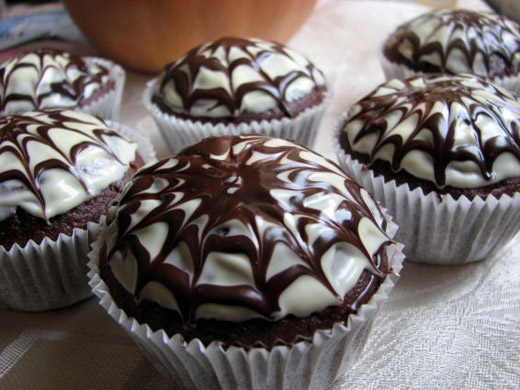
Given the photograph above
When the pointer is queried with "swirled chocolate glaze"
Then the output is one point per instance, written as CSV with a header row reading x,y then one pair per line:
x,y
457,41
235,228
53,160
457,131
233,78
50,79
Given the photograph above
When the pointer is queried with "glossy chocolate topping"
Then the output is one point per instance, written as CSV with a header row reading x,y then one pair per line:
x,y
50,79
457,131
235,228
457,41
53,160
231,77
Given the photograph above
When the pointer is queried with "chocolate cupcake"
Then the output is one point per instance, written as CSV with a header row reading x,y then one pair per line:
x,y
50,78
59,170
238,86
456,41
442,154
246,260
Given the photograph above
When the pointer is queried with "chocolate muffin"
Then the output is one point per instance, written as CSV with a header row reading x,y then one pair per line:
x,y
247,242
243,85
59,171
50,78
438,145
456,41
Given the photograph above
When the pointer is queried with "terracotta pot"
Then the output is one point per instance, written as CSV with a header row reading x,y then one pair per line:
x,y
146,35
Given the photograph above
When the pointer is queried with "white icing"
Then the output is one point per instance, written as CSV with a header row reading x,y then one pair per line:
x,y
282,259
327,204
153,237
124,268
157,292
305,296
226,269
180,258
371,236
257,102
343,265
62,189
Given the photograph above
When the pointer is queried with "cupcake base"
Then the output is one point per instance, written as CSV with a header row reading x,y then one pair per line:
x,y
304,365
439,229
53,274
180,133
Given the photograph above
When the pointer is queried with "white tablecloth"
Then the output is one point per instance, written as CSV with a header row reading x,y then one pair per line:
x,y
443,327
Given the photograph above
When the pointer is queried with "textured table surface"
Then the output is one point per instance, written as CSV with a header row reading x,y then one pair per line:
x,y
442,328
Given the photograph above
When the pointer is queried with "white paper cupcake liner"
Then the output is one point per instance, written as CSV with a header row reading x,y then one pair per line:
x,y
108,105
305,365
180,133
400,71
53,274
48,275
439,229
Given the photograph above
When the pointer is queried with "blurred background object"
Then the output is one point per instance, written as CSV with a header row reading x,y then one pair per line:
x,y
33,25
146,35
509,8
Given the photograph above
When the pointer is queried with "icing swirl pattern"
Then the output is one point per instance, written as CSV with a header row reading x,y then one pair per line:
x,y
232,77
50,79
457,131
457,41
235,228
52,161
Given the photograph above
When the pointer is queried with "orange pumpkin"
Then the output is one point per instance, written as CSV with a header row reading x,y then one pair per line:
x,y
146,35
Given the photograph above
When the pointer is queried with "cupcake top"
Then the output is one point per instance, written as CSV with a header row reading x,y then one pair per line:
x,y
237,80
456,131
52,161
244,227
457,41
50,78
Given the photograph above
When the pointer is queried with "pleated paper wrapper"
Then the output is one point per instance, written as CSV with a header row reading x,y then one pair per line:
x,y
304,365
180,133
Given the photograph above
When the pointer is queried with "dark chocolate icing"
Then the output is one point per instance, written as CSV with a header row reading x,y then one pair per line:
x,y
218,57
238,196
462,41
466,119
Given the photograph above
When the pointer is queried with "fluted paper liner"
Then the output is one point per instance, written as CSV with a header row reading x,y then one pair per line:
x,y
53,274
180,133
435,228
107,105
305,365
393,70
